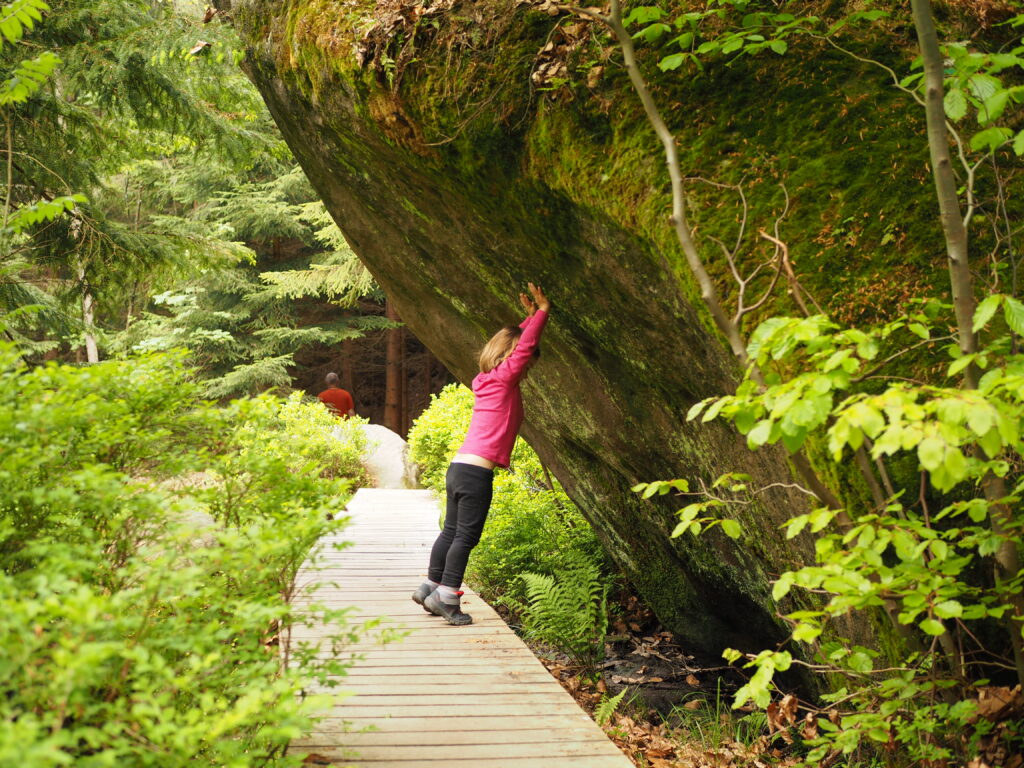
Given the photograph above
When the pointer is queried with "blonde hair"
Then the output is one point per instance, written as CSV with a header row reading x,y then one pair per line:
x,y
499,347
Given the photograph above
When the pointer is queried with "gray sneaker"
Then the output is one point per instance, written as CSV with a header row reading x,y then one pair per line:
x,y
421,593
450,612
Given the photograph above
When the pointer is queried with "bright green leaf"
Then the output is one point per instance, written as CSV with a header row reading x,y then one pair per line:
x,y
955,104
731,528
986,309
1013,311
930,452
949,609
932,627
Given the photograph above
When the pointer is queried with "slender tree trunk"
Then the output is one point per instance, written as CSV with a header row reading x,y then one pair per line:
x,y
1007,559
348,350
428,369
92,353
393,374
405,385
942,173
10,168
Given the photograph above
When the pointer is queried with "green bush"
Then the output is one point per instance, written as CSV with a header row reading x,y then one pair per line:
x,y
532,526
148,549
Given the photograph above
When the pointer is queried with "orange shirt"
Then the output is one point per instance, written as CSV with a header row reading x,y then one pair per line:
x,y
338,401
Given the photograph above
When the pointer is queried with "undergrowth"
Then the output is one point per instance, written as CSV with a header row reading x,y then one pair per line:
x,y
149,545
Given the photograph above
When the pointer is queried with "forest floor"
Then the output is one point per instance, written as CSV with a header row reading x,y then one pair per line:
x,y
677,710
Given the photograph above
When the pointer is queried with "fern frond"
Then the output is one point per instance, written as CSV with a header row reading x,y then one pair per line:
x,y
606,708
569,611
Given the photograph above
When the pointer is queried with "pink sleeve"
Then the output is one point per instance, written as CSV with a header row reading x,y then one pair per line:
x,y
512,366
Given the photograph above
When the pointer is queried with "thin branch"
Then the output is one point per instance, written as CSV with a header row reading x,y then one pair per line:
x,y
869,373
10,168
892,73
795,288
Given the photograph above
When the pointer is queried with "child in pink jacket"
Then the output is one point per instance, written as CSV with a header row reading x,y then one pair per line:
x,y
497,416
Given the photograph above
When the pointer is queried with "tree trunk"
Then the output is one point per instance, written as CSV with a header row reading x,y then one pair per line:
x,y
945,182
92,353
393,374
1007,559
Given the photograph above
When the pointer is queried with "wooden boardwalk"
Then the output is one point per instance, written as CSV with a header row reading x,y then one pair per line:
x,y
443,696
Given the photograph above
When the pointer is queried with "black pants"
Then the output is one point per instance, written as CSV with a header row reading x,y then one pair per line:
x,y
469,490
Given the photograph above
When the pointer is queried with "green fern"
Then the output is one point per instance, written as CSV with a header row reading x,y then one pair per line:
x,y
569,611
607,707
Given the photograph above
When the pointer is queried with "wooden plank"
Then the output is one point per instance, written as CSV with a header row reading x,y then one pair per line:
x,y
494,691
585,761
436,734
443,752
425,723
437,697
452,710
476,676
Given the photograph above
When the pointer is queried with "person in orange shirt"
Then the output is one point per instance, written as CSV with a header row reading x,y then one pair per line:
x,y
337,400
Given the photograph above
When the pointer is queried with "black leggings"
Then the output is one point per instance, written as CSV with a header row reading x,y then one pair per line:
x,y
469,490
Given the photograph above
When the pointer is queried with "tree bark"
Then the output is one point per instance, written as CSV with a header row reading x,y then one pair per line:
x,y
393,374
92,353
1007,559
945,182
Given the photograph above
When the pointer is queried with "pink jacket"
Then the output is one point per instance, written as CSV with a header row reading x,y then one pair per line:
x,y
498,404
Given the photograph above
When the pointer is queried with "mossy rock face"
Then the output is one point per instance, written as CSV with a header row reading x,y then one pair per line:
x,y
462,183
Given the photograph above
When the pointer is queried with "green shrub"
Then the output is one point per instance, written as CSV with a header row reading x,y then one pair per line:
x,y
148,549
532,526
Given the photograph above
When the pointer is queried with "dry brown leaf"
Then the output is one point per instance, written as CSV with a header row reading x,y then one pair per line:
x,y
787,708
995,703
692,681
316,759
659,752
810,729
692,704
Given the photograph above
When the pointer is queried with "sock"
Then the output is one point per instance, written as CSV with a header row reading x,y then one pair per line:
x,y
448,595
